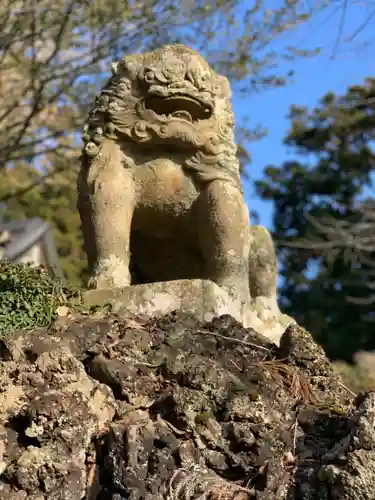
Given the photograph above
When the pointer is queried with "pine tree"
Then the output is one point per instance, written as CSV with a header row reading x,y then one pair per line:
x,y
318,203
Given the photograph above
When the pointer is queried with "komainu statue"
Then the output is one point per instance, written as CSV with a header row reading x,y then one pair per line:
x,y
159,192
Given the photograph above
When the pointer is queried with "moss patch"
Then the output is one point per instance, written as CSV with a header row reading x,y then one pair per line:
x,y
29,297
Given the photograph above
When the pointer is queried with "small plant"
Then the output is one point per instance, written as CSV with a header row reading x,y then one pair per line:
x,y
29,297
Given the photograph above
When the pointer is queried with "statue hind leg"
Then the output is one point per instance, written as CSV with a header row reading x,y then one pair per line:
x,y
262,264
263,274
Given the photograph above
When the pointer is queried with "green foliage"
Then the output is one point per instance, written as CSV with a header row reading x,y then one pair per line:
x,y
29,297
336,160
54,200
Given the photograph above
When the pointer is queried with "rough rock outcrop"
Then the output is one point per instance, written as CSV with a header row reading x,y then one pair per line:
x,y
101,408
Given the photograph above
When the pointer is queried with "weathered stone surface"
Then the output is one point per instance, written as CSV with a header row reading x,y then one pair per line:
x,y
159,192
50,410
101,408
203,299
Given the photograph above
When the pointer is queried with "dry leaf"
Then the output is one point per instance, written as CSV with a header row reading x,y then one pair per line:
x,y
63,311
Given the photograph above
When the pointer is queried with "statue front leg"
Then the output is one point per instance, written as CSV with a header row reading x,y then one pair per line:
x,y
107,214
222,223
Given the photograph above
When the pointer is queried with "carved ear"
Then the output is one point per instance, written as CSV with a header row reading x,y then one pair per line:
x,y
130,66
225,89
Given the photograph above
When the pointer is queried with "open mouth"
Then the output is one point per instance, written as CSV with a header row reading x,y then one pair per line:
x,y
179,106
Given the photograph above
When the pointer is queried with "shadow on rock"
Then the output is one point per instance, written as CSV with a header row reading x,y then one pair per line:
x,y
101,408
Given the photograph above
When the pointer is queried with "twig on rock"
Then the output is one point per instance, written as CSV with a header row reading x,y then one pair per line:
x,y
233,339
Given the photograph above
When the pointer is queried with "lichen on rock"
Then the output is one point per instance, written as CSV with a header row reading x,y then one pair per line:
x,y
100,407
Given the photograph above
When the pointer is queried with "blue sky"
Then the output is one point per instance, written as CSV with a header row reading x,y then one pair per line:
x,y
352,63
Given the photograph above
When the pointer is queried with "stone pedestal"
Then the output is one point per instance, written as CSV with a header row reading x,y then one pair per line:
x,y
202,298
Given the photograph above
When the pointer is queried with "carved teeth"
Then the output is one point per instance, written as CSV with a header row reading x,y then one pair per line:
x,y
185,115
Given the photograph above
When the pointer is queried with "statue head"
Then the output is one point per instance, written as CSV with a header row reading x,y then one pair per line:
x,y
167,97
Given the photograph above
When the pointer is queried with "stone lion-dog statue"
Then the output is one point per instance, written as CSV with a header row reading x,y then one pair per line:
x,y
159,191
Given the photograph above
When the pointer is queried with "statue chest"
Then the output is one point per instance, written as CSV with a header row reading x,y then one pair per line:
x,y
162,184
165,198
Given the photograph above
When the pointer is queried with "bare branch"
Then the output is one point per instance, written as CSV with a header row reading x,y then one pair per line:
x,y
353,239
45,49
